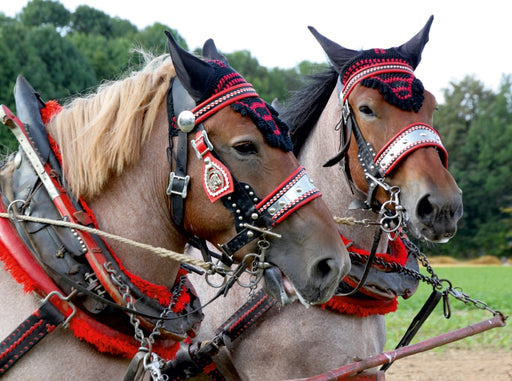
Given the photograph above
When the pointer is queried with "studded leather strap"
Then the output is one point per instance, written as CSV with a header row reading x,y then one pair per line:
x,y
28,334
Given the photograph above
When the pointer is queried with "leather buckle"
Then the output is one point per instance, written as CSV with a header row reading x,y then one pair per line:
x,y
178,185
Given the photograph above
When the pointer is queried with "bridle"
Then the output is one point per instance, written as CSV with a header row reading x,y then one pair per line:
x,y
377,165
254,217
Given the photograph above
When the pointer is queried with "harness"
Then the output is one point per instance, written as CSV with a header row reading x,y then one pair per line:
x,y
81,279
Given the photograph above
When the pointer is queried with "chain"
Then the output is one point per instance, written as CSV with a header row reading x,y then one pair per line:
x,y
151,361
432,279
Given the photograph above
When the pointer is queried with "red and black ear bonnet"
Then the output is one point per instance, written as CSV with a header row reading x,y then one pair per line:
x,y
395,80
390,71
264,116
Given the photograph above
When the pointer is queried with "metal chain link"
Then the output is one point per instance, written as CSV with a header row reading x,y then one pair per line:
x,y
432,279
152,362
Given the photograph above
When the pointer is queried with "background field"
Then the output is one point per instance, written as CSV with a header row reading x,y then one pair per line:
x,y
490,284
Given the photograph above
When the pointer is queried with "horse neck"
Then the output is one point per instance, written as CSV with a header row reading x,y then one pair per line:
x,y
322,144
134,205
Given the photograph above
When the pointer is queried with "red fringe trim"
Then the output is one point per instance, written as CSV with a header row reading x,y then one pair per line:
x,y
366,307
51,108
360,307
102,337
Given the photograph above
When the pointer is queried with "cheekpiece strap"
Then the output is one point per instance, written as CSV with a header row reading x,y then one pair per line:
x,y
369,71
296,191
408,140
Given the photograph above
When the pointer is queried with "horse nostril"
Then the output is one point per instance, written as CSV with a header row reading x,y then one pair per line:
x,y
426,212
325,268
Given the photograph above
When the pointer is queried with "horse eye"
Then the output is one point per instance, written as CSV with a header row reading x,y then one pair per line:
x,y
366,110
246,148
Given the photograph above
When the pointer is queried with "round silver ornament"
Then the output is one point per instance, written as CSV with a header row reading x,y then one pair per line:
x,y
186,121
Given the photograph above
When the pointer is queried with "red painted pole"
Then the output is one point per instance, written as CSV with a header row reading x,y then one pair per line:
x,y
348,371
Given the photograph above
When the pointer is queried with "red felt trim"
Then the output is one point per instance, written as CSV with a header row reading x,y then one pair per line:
x,y
366,307
360,307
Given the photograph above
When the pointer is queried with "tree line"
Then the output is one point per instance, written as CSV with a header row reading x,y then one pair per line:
x,y
64,53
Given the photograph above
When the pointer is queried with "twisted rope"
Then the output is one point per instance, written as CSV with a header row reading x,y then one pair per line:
x,y
160,251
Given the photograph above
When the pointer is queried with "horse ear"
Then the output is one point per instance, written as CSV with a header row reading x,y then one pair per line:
x,y
210,51
338,55
413,48
192,72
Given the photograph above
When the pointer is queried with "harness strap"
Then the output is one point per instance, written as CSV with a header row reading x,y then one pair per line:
x,y
28,334
196,358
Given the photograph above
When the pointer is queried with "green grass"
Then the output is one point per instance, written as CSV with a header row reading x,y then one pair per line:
x,y
490,284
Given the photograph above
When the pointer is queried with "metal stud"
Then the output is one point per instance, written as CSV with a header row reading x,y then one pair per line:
x,y
272,211
186,121
250,234
254,216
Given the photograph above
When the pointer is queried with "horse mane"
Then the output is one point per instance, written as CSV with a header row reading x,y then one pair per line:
x,y
305,106
101,134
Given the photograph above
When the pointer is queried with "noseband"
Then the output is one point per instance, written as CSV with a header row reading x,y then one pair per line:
x,y
377,165
253,217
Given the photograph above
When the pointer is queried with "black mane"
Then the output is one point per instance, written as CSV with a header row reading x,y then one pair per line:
x,y
304,107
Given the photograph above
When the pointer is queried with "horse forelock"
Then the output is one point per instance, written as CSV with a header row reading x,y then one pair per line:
x,y
101,134
305,106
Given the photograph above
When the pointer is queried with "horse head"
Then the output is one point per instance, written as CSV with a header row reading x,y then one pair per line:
x,y
394,149
247,193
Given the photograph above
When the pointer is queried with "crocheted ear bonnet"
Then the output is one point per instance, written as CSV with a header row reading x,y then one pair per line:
x,y
387,71
264,116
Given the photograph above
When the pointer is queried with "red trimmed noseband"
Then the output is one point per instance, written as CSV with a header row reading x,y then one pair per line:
x,y
407,141
296,191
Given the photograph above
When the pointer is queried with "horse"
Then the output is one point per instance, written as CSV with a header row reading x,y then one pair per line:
x,y
157,158
352,116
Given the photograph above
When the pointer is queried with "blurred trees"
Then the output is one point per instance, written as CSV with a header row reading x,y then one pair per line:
x,y
63,53
476,126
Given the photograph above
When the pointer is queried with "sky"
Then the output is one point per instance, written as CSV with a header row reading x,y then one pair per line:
x,y
467,37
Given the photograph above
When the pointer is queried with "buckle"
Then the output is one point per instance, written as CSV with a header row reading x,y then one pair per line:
x,y
176,181
201,144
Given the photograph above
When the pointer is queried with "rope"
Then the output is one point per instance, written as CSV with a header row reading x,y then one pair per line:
x,y
351,221
165,253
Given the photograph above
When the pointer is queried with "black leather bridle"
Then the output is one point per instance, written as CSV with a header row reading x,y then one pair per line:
x,y
253,216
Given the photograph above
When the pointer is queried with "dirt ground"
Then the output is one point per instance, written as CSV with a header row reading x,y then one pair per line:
x,y
453,365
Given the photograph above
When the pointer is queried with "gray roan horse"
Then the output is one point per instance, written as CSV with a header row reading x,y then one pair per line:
x,y
387,122
113,151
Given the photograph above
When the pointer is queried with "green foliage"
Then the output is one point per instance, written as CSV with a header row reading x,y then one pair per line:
x,y
45,12
489,284
476,125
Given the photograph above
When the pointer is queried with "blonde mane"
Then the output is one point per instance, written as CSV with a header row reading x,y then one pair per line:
x,y
100,135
